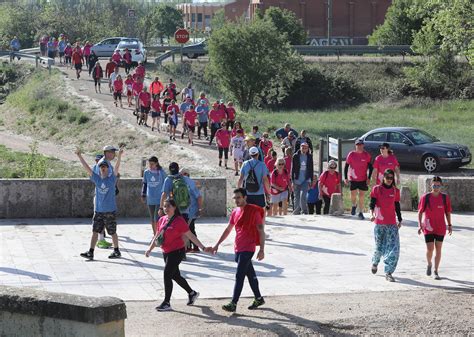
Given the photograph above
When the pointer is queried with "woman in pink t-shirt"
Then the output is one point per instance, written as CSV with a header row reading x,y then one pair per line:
x,y
329,184
173,227
436,208
385,160
223,143
237,126
384,205
280,182
189,123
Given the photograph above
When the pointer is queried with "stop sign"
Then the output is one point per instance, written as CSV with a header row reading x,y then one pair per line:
x,y
181,35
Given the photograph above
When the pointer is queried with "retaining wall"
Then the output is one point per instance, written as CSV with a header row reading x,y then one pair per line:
x,y
73,198
460,190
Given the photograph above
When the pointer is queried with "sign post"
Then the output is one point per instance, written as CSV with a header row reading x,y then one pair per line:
x,y
181,36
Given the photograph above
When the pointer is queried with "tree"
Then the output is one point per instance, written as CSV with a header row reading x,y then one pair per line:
x,y
287,23
166,19
253,62
14,22
218,20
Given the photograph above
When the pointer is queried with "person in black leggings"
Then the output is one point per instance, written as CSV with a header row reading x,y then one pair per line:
x,y
172,228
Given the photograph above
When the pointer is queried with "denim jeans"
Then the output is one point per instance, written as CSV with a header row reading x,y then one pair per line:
x,y
301,198
245,268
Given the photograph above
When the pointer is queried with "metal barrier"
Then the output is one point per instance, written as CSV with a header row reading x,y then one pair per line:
x,y
29,55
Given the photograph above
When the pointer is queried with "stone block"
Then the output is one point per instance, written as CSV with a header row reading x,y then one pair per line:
x,y
337,205
406,203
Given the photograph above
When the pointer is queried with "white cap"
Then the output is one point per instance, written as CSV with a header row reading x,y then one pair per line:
x,y
110,148
253,151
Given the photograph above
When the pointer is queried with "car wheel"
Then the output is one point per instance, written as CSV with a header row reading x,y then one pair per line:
x,y
430,163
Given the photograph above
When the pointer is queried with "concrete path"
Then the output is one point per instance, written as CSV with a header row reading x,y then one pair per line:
x,y
304,255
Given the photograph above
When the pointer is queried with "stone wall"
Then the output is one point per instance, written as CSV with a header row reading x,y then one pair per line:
x,y
73,198
460,190
31,312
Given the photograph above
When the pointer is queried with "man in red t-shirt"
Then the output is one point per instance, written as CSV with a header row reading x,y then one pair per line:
x,y
145,103
249,232
358,162
110,68
77,61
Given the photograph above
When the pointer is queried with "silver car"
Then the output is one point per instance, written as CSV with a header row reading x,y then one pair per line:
x,y
106,48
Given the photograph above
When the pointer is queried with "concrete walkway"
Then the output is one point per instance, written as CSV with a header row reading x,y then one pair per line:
x,y
304,255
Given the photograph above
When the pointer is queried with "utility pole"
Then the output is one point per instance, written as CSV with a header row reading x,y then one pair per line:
x,y
329,21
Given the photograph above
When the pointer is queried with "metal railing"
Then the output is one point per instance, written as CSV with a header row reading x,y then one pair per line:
x,y
29,54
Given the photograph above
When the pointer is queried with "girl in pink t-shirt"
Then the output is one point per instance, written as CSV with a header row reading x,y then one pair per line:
x,y
386,160
384,205
223,143
433,211
173,228
189,123
280,182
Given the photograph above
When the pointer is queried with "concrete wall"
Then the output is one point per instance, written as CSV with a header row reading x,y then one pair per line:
x,y
73,198
460,190
31,312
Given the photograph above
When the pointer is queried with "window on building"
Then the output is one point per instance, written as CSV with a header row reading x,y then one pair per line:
x,y
199,17
193,17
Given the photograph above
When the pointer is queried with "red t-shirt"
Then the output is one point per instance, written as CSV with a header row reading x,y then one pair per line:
x,y
359,163
145,99
382,163
129,83
279,179
137,88
216,116
434,221
173,234
230,113
118,85
266,146
76,58
170,108
385,205
329,183
234,132
116,57
245,234
127,57
270,163
87,50
288,163
110,68
190,117
140,71
156,106
223,138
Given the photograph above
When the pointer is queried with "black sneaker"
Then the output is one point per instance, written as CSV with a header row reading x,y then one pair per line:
x,y
361,216
374,269
353,210
165,306
115,255
230,307
88,255
220,162
436,276
256,303
428,270
389,278
192,297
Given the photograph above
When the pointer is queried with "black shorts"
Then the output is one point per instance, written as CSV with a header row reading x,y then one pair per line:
x,y
144,109
78,66
117,95
191,128
258,200
61,54
433,238
155,114
172,122
359,185
104,219
224,150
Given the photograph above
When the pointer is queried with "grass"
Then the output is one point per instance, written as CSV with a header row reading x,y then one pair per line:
x,y
13,165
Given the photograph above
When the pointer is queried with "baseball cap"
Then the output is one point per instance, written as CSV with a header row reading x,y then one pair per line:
x,y
253,151
109,148
184,171
174,168
99,157
291,133
249,137
102,162
332,164
221,101
359,141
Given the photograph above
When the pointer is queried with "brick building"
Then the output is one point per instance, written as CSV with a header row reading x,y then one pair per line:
x,y
353,20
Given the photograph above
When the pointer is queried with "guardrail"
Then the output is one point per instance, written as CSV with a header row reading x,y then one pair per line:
x,y
39,60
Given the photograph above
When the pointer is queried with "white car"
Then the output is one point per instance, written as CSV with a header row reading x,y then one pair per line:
x,y
136,48
106,47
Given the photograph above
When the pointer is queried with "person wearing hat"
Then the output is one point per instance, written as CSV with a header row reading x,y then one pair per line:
x,y
358,162
97,75
61,47
385,160
105,205
216,117
237,148
254,178
289,142
329,183
202,111
250,142
302,172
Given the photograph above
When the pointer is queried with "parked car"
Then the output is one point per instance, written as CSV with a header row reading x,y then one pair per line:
x,y
193,51
106,48
416,148
136,48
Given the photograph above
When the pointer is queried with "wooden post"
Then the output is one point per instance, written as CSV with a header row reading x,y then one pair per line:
x,y
339,161
328,157
37,61
321,155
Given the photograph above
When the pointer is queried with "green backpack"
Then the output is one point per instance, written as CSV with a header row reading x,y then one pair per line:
x,y
181,193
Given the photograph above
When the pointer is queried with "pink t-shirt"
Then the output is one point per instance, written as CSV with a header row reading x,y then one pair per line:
x,y
137,88
145,99
234,133
382,163
223,138
434,221
266,146
129,84
270,163
245,240
385,205
190,117
288,163
216,116
279,179
116,57
230,113
359,164
140,71
173,234
329,183
87,50
118,85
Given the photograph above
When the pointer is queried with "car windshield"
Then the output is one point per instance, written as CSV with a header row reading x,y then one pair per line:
x,y
420,137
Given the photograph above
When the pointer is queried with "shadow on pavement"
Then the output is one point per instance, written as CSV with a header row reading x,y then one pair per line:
x,y
41,277
336,231
311,248
404,280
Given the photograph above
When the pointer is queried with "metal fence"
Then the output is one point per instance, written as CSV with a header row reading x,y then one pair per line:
x,y
29,54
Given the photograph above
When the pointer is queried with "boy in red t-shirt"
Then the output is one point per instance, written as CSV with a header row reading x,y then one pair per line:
x,y
189,123
109,68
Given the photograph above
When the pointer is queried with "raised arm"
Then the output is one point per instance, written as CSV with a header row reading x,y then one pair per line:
x,y
83,162
119,159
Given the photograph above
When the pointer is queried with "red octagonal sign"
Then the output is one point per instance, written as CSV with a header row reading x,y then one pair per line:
x,y
181,35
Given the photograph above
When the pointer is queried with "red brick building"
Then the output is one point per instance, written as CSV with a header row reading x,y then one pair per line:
x,y
353,20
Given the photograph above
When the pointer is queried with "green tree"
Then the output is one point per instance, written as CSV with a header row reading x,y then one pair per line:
x,y
166,19
218,20
287,23
253,62
14,22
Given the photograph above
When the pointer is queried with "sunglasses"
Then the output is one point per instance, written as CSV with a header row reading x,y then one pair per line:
x,y
281,164
436,186
389,177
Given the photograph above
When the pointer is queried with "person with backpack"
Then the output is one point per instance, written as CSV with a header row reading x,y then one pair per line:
x,y
280,182
254,179
384,205
329,184
248,221
302,172
152,186
171,228
195,210
433,211
97,75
